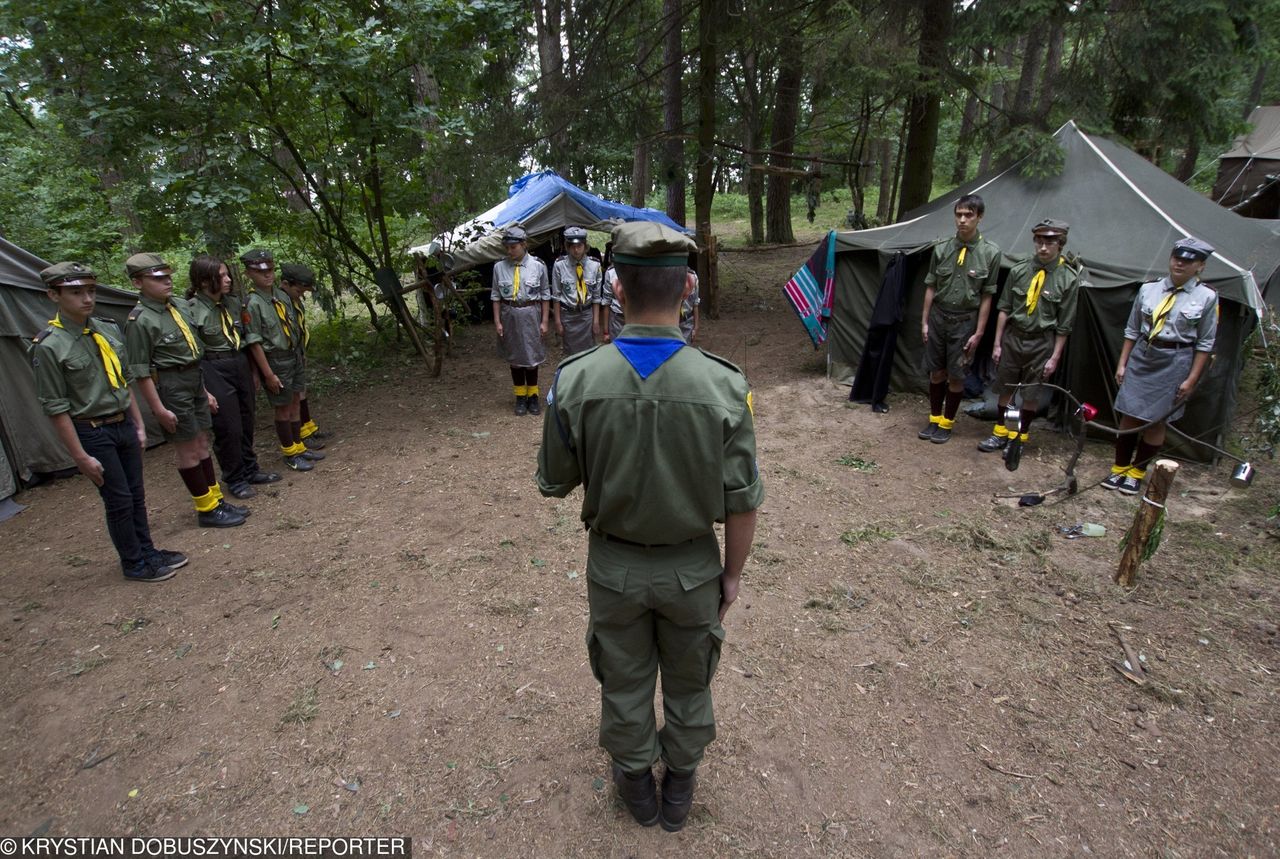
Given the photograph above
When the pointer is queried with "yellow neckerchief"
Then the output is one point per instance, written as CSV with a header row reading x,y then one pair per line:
x,y
1162,312
182,326
1037,285
110,361
964,248
301,315
228,327
582,286
284,318
515,283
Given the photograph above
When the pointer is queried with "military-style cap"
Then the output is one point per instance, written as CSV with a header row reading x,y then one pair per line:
x,y
648,243
1192,249
1050,227
260,259
139,265
298,273
574,235
514,234
68,274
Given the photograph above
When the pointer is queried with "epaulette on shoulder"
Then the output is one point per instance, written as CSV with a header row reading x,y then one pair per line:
x,y
135,313
577,356
43,334
725,361
106,322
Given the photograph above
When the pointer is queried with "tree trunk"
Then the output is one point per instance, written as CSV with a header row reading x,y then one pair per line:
x,y
782,142
1255,89
704,174
673,172
884,205
924,110
1052,63
753,126
997,109
1027,77
1187,164
964,140
547,17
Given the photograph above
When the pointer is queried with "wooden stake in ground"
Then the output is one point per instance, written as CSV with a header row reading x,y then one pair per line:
x,y
1146,522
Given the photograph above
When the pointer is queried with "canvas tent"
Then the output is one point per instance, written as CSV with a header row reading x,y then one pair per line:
x,y
28,444
543,203
1125,214
1248,180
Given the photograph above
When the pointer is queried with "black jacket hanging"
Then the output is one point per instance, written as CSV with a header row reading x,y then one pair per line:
x,y
871,383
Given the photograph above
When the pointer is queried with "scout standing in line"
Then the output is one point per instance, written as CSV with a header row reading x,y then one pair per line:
x,y
612,317
271,332
1168,343
1036,312
662,439
521,294
84,389
297,280
689,309
957,300
225,368
164,358
575,286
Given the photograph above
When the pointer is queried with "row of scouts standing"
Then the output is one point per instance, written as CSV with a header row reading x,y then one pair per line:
x,y
578,295
1168,339
194,361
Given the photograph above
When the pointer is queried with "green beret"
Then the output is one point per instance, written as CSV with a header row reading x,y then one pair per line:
x,y
142,264
68,274
649,243
258,258
298,273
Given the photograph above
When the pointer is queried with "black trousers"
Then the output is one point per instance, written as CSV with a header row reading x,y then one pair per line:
x,y
116,447
230,382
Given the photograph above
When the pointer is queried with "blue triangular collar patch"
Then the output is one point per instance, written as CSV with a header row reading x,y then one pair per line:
x,y
647,354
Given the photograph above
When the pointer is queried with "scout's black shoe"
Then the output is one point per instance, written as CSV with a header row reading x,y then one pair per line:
x,y
1114,481
236,508
219,517
992,443
320,434
242,491
1013,455
298,463
637,793
1129,485
165,558
260,477
927,432
677,799
311,455
146,571
534,405
940,435
522,408
312,442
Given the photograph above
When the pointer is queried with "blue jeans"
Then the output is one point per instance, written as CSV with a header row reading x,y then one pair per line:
x,y
116,447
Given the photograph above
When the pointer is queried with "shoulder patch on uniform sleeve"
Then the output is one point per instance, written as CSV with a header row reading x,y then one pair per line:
x,y
107,322
43,334
135,313
725,361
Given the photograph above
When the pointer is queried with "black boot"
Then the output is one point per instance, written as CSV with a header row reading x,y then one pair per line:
x,y
677,798
638,794
522,408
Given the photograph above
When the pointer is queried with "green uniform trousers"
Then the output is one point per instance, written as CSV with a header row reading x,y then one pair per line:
x,y
655,609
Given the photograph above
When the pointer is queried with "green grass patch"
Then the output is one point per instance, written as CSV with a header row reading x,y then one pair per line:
x,y
857,463
866,534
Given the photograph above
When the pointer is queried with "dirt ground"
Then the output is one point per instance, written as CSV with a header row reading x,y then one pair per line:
x,y
394,644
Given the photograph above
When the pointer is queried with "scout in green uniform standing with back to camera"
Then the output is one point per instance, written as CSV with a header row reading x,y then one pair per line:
x,y
963,271
297,280
271,332
1037,310
521,294
83,387
1168,344
575,290
164,357
661,437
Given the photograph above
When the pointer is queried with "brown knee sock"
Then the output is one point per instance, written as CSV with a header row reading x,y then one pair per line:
x,y
951,404
193,479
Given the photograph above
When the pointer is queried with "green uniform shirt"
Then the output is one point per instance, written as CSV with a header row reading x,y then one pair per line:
x,y
660,459
960,286
70,375
265,325
304,333
214,319
154,340
1056,307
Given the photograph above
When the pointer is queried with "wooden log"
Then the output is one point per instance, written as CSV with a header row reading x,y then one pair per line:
x,y
1150,511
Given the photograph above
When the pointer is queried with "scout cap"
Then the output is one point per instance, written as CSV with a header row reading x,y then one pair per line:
x,y
647,243
575,235
1050,227
1192,249
298,273
139,265
68,274
513,234
260,259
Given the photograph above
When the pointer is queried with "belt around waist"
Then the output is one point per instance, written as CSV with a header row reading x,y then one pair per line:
x,y
520,303
177,369
102,421
954,311
221,356
1165,344
609,538
573,308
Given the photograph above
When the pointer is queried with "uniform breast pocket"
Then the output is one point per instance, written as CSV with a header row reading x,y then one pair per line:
x,y
1192,312
977,275
944,270
77,365
170,338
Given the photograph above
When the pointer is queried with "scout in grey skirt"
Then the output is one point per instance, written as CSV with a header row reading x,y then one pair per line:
x,y
1168,342
520,294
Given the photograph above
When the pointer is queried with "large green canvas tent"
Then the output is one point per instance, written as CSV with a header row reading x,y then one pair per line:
x,y
1125,214
28,444
1248,179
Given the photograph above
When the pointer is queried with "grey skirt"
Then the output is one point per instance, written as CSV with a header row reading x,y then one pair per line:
x,y
616,321
577,323
1151,380
521,342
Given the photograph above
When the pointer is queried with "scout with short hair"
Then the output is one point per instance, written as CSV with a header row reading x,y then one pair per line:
x,y
1036,312
661,437
689,309
272,335
963,271
84,389
297,280
575,286
164,357
216,315
1168,344
521,293
612,318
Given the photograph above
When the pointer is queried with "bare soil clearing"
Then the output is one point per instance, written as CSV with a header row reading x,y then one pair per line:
x,y
393,644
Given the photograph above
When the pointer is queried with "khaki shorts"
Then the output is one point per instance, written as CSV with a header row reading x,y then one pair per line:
x,y
1022,360
289,369
949,330
182,392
